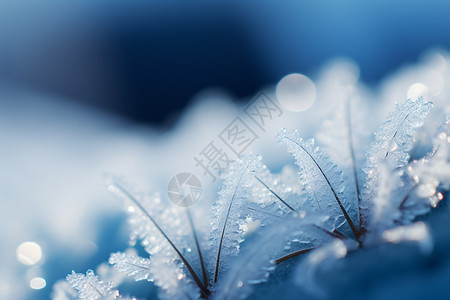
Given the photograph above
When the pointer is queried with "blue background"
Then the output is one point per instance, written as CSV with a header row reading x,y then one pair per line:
x,y
146,59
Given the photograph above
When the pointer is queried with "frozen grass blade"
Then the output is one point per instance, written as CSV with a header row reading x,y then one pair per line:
x,y
396,132
402,204
216,272
275,194
351,149
197,244
335,234
147,214
292,255
347,217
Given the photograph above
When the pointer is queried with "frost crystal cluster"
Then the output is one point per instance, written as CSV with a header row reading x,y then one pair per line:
x,y
350,190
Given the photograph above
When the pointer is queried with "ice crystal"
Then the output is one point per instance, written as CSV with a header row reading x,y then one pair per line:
x,y
229,212
391,148
134,266
250,192
90,287
428,175
152,220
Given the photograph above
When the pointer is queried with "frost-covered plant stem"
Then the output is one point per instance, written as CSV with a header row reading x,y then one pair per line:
x,y
292,255
219,251
199,250
347,217
203,288
351,149
275,194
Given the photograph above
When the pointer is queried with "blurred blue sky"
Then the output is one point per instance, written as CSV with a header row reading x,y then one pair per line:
x,y
146,59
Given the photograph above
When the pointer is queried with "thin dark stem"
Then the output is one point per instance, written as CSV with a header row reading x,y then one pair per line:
x,y
338,233
435,150
275,194
96,289
216,272
347,217
395,133
197,244
292,255
407,196
353,159
137,266
147,214
335,233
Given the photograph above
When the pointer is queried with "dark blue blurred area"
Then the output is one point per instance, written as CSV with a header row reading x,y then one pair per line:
x,y
146,59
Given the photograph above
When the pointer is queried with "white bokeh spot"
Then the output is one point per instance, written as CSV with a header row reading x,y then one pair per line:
x,y
29,253
417,90
296,92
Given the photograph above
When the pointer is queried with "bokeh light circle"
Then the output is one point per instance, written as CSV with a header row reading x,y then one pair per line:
x,y
296,92
417,90
29,253
37,283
